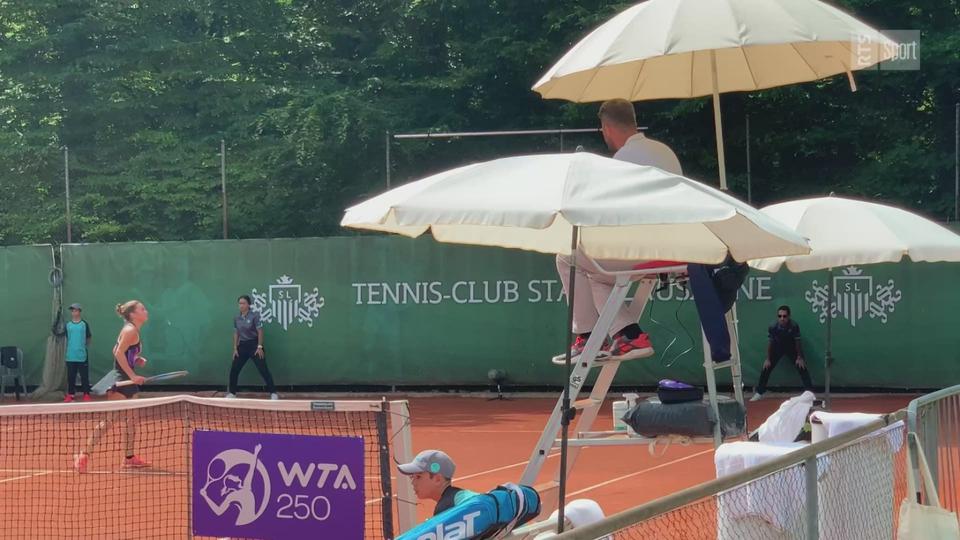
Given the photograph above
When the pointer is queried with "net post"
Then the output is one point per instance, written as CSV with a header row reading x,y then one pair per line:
x,y
383,441
403,453
188,407
812,506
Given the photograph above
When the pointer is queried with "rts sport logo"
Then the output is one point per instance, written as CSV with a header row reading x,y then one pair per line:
x,y
288,486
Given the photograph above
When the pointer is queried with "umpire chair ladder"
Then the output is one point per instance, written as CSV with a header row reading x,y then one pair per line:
x,y
588,409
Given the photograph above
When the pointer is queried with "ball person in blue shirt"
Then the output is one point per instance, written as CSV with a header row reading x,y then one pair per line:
x,y
78,339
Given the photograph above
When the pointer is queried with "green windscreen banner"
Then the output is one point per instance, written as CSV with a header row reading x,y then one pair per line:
x,y
383,310
27,310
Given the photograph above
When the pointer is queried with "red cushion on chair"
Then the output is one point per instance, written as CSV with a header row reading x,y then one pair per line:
x,y
657,264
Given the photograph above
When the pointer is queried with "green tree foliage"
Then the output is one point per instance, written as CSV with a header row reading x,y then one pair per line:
x,y
142,92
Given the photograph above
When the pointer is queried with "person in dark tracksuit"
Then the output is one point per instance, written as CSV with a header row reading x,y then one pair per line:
x,y
784,342
247,345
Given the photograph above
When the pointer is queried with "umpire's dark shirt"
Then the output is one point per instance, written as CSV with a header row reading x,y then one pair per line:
x,y
784,338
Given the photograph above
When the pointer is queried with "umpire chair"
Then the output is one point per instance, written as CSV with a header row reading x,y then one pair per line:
x,y
11,367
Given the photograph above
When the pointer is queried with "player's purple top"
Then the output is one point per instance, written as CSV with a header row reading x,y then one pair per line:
x,y
132,352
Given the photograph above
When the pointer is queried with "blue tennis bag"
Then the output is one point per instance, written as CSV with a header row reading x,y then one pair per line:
x,y
486,515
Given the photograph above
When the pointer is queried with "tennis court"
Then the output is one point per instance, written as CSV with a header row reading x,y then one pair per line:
x,y
491,442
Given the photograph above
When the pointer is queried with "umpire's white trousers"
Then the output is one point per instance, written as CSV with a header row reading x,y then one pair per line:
x,y
592,290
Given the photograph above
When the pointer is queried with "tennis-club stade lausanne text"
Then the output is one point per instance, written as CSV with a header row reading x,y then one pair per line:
x,y
507,292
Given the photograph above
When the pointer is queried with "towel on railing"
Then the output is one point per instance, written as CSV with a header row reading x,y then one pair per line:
x,y
776,499
786,423
836,423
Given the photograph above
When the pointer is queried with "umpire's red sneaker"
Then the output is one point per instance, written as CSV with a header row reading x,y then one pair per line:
x,y
625,348
68,398
576,351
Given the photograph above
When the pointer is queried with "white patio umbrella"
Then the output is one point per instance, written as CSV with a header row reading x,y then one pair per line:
x,y
557,202
620,210
845,232
690,48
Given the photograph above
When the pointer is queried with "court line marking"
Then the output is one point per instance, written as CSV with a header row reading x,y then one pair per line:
x,y
589,488
631,475
36,473
40,472
131,472
498,469
32,475
474,475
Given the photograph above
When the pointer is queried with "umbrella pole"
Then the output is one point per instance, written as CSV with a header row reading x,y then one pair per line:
x,y
565,411
828,354
717,122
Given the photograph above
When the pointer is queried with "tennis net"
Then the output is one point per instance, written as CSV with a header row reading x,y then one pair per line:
x,y
44,496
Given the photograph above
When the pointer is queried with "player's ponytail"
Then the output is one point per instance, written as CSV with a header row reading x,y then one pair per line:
x,y
125,309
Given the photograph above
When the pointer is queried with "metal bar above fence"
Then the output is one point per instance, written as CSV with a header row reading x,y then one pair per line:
x,y
448,135
223,184
455,134
66,181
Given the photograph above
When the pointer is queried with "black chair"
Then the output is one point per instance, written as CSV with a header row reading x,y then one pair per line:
x,y
11,367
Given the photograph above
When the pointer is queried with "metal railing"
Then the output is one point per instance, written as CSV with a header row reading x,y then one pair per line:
x,y
935,418
847,486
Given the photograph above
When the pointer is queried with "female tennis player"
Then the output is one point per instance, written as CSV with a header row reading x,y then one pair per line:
x,y
126,355
248,344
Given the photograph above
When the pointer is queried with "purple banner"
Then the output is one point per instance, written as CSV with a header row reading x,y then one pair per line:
x,y
268,486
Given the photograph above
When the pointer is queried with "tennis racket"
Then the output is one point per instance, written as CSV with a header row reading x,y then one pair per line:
x,y
157,378
105,383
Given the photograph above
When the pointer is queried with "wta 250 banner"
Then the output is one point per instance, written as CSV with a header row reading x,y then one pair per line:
x,y
272,487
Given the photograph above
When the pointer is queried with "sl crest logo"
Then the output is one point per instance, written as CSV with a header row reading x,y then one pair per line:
x,y
854,296
286,303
